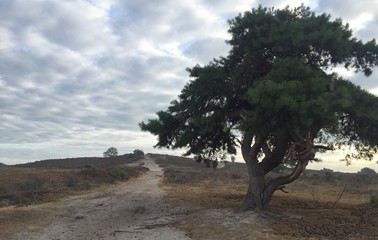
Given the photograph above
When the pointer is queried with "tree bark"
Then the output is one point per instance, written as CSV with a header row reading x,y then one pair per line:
x,y
259,192
256,184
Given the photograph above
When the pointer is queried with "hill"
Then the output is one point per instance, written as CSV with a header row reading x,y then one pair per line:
x,y
2,165
70,163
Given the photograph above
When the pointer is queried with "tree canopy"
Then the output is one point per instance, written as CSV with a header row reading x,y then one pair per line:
x,y
276,96
111,152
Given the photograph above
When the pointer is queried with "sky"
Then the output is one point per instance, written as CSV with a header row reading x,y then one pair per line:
x,y
77,76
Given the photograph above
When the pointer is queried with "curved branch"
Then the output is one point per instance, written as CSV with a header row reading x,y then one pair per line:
x,y
279,182
275,158
246,145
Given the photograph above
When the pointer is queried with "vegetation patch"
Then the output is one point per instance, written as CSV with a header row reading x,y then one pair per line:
x,y
125,173
319,205
25,186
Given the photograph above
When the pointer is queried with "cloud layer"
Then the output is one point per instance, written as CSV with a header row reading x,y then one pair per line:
x,y
76,77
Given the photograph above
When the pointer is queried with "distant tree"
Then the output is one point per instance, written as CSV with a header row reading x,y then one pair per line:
x,y
367,170
276,98
138,152
111,152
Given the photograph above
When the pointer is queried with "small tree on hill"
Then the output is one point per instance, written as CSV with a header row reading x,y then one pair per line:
x,y
111,152
367,170
276,98
138,152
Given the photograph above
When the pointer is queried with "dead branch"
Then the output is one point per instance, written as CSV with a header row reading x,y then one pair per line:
x,y
341,194
281,188
322,147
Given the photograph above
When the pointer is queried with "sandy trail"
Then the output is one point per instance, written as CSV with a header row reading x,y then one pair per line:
x,y
136,209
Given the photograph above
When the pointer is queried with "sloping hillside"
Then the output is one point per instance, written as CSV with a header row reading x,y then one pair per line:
x,y
97,162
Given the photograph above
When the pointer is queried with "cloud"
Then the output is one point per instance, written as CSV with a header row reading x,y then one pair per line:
x,y
205,50
76,77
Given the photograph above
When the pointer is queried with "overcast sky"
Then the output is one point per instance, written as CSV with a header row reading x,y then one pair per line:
x,y
76,77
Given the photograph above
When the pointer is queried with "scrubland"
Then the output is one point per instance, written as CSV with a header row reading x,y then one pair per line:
x,y
319,205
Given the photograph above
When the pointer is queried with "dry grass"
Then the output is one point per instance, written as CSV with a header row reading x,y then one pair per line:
x,y
14,219
28,192
24,186
311,210
319,205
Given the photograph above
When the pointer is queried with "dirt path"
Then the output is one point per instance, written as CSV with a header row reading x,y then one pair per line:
x,y
137,209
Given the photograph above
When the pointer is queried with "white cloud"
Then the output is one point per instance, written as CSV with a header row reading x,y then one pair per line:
x,y
76,77
361,21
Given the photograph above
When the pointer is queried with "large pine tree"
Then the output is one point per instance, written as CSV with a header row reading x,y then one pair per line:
x,y
275,96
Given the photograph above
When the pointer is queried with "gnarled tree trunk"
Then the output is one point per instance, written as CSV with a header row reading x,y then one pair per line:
x,y
260,192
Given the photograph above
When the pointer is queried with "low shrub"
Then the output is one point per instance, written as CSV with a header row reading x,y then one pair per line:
x,y
119,174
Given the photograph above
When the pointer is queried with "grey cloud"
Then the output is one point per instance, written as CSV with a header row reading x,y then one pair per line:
x,y
168,21
369,32
365,82
76,78
347,9
205,50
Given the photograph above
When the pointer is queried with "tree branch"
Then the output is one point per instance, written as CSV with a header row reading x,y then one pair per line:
x,y
282,188
266,149
279,182
275,158
322,147
246,146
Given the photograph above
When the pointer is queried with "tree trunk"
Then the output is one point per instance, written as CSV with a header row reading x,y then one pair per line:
x,y
260,193
256,184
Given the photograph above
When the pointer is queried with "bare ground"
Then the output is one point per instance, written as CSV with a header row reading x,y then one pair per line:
x,y
193,202
137,209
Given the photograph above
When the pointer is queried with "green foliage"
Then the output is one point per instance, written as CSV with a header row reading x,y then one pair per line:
x,y
374,199
138,152
277,79
367,170
111,152
119,174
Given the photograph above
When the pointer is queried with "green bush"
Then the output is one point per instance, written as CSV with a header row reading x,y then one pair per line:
x,y
119,174
374,199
